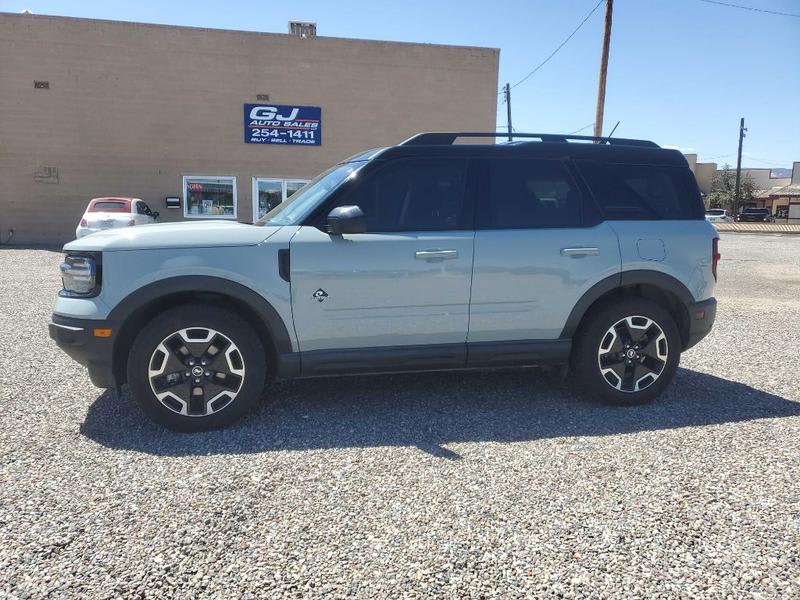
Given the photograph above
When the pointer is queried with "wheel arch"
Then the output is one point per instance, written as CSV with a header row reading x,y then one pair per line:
x,y
665,290
140,306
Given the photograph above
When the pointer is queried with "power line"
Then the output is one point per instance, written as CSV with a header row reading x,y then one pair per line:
x,y
581,129
761,10
767,162
560,46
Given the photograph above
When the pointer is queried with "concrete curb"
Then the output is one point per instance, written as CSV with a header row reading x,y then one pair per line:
x,y
757,228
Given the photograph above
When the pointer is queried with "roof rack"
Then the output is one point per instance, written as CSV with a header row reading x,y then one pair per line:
x,y
446,138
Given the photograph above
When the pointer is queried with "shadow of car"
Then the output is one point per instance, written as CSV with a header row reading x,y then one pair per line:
x,y
433,409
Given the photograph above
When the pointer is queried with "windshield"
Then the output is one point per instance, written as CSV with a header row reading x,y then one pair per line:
x,y
302,202
755,210
715,211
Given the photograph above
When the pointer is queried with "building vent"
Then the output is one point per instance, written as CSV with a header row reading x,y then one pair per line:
x,y
304,29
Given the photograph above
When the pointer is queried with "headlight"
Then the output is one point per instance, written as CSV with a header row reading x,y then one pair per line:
x,y
81,275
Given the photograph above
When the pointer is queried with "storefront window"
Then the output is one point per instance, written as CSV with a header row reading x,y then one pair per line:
x,y
269,192
209,197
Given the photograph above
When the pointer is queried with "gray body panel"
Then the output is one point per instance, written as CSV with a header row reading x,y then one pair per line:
x,y
526,281
378,292
680,249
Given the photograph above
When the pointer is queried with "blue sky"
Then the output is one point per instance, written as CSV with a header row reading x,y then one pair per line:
x,y
681,72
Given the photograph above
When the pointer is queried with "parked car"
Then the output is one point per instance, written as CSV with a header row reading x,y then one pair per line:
x,y
112,212
428,255
718,215
754,215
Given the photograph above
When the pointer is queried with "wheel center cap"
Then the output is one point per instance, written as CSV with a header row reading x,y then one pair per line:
x,y
631,353
197,371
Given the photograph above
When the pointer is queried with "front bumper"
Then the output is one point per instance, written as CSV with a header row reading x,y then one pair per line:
x,y
701,320
77,338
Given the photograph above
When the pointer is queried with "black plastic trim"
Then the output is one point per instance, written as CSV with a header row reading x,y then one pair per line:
x,y
429,358
623,279
78,341
517,353
383,359
205,284
699,327
284,264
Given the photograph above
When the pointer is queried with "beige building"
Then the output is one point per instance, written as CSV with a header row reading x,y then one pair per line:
x,y
775,193
227,122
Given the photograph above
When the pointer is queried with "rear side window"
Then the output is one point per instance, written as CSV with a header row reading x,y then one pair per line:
x,y
643,192
527,193
411,195
108,206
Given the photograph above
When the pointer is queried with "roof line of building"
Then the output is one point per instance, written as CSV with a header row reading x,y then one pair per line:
x,y
222,30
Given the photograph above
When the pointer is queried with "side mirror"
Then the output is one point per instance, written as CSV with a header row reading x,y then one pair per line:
x,y
156,214
346,219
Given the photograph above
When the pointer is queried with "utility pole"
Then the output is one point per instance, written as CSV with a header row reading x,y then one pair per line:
x,y
737,199
508,110
601,88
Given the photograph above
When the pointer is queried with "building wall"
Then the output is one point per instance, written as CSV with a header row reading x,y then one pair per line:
x,y
131,108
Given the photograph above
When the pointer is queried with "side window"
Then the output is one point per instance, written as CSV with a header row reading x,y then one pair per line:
x,y
643,192
526,193
142,208
411,195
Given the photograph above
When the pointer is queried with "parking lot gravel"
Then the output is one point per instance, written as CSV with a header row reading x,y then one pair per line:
x,y
457,485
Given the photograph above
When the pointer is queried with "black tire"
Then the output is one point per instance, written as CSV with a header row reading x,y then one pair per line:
x,y
233,368
596,344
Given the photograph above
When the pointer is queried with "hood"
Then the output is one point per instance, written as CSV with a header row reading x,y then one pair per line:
x,y
186,234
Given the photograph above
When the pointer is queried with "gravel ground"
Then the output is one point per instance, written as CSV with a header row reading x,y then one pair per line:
x,y
457,485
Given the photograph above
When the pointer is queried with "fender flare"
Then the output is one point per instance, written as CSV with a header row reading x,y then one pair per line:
x,y
204,283
668,283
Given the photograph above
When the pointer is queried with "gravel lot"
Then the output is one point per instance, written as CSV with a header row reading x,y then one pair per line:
x,y
440,485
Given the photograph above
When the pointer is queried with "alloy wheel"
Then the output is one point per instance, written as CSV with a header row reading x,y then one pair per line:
x,y
633,353
196,371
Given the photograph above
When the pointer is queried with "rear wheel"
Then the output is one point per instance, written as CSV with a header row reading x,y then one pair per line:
x,y
627,352
196,367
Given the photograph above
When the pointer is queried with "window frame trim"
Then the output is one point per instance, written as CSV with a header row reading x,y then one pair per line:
x,y
231,178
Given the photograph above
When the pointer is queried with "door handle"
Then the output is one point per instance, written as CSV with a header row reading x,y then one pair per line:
x,y
582,251
432,255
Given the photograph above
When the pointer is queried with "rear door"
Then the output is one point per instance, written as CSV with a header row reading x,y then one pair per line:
x,y
539,247
405,282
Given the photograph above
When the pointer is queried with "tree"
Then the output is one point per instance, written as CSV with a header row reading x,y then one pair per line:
x,y
723,190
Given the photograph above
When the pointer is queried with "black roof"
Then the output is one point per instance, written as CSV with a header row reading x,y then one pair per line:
x,y
540,145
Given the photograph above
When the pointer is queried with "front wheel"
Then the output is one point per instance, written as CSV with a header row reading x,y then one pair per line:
x,y
196,367
627,352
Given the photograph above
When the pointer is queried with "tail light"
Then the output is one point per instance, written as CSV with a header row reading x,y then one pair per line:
x,y
715,256
84,223
131,222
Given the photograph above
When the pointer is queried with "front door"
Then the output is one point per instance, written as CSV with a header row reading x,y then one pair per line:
x,y
403,284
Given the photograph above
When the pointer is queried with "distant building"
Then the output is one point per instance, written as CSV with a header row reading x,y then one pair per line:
x,y
775,193
780,197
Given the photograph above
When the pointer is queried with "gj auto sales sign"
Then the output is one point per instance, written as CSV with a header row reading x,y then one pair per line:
x,y
282,124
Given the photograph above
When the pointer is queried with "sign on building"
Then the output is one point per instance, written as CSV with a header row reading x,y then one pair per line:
x,y
282,124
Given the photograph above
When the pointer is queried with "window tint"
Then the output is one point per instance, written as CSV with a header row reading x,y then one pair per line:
x,y
411,195
641,192
529,193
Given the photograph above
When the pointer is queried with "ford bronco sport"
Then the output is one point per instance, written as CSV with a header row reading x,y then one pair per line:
x,y
587,252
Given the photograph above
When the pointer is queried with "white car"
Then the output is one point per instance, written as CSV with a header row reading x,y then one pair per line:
x,y
112,212
718,215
